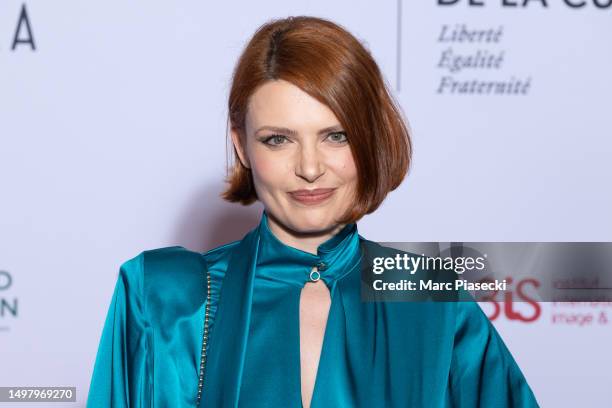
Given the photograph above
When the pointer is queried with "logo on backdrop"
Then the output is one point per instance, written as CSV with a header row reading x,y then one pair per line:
x,y
8,303
22,37
472,58
472,62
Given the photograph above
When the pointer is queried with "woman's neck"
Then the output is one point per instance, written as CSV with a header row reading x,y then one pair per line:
x,y
308,242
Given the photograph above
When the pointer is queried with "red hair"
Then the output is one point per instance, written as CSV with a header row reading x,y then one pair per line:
x,y
331,65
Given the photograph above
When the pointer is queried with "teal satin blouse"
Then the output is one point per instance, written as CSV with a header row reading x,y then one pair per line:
x,y
374,354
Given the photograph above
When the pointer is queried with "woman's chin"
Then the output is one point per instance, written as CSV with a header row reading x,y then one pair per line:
x,y
313,221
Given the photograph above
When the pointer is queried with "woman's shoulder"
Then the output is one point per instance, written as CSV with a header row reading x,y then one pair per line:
x,y
175,260
163,270
174,277
176,266
218,257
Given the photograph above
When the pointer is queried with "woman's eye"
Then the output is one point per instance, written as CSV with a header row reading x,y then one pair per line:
x,y
338,137
274,140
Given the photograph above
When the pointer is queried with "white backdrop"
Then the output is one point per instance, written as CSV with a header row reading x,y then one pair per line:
x,y
112,131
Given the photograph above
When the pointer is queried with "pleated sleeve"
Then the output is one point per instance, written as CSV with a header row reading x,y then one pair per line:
x,y
121,374
483,371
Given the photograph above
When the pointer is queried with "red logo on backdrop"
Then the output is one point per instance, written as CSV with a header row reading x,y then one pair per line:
x,y
505,302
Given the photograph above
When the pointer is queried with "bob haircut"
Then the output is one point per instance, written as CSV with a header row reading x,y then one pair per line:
x,y
324,60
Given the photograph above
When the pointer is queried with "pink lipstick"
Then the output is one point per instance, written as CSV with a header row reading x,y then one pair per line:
x,y
311,197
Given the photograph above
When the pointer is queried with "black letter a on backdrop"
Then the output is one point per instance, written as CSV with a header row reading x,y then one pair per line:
x,y
23,19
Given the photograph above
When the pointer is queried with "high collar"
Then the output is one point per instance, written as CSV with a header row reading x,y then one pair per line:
x,y
278,261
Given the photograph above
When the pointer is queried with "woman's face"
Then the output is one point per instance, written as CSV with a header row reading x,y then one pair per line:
x,y
294,145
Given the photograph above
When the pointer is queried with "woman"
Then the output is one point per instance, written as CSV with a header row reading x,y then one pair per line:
x,y
275,319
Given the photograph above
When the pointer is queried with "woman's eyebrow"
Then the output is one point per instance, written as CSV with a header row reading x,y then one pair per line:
x,y
291,132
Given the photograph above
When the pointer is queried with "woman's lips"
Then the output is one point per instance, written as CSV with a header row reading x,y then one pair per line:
x,y
315,196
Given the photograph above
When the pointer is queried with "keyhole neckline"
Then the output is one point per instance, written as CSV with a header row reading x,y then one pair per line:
x,y
324,341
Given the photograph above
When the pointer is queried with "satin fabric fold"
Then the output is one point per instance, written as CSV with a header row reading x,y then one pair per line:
x,y
374,354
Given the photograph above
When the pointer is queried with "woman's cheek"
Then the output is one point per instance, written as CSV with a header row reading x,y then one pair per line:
x,y
346,167
271,171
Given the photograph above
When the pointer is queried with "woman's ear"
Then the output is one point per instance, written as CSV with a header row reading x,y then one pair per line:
x,y
238,139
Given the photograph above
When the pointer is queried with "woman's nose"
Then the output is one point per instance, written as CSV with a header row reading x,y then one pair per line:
x,y
310,165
